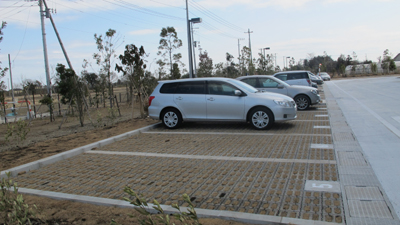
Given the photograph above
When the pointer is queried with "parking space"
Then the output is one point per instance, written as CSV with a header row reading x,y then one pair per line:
x,y
226,167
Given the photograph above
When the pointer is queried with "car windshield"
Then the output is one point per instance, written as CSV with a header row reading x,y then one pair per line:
x,y
244,86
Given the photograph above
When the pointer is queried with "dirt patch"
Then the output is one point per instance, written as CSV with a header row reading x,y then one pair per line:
x,y
67,212
54,141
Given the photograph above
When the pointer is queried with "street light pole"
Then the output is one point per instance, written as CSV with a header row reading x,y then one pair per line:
x,y
267,48
191,22
194,54
288,57
189,42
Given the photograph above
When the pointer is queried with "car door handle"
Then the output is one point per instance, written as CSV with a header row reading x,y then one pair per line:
x,y
210,99
179,98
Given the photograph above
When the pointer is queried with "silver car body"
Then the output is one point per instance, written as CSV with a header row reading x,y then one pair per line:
x,y
316,79
212,106
325,76
273,84
295,77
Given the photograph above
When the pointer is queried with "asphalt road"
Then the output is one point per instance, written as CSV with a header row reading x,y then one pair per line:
x,y
372,110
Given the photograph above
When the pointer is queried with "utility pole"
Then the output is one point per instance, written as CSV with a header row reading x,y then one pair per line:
x,y
240,63
251,54
46,60
48,15
189,42
12,89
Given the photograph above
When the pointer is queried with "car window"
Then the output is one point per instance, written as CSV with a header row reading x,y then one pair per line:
x,y
250,81
191,87
267,83
294,76
283,77
168,88
221,88
239,85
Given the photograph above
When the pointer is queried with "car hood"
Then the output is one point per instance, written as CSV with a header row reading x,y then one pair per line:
x,y
304,88
272,96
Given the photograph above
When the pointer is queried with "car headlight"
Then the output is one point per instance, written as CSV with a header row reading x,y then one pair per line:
x,y
282,103
315,92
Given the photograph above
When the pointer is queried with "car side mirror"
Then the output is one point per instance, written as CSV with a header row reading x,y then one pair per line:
x,y
238,93
280,86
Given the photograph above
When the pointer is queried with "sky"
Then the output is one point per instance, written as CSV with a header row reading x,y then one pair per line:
x,y
290,28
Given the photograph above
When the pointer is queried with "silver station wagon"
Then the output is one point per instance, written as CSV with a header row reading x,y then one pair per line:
x,y
303,96
217,99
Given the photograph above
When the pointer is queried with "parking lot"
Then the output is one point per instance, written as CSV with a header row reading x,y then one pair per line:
x,y
289,171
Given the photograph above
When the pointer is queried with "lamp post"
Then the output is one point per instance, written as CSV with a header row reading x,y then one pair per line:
x,y
288,57
192,21
266,48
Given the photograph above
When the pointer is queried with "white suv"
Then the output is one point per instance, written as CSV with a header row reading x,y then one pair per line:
x,y
217,99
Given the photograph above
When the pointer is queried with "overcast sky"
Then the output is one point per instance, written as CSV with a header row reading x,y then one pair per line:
x,y
295,28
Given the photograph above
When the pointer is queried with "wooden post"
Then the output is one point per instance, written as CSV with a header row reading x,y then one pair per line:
x,y
119,111
59,105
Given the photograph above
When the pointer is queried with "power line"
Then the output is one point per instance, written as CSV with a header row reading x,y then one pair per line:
x,y
212,28
104,18
23,38
215,17
143,10
13,9
107,10
8,16
168,5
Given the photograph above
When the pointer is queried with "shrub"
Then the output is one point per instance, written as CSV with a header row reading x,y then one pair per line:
x,y
112,115
186,218
19,131
13,209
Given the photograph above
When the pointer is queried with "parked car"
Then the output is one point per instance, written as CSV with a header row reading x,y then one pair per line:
x,y
302,95
217,99
298,77
325,76
316,79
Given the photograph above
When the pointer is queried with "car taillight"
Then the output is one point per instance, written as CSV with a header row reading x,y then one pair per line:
x,y
151,99
309,82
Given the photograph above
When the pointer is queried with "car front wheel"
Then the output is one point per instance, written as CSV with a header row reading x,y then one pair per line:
x,y
261,118
171,118
302,102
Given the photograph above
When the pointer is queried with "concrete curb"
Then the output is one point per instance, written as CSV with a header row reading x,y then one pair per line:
x,y
71,153
201,213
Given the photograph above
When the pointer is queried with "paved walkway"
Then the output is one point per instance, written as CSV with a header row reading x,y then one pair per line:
x,y
371,110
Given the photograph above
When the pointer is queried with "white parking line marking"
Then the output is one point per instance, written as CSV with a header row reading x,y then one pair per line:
x,y
322,127
323,146
212,157
241,134
397,118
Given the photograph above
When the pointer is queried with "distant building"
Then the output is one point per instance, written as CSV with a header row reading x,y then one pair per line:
x,y
366,68
397,58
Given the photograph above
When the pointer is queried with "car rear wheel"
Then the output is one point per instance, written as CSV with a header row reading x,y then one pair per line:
x,y
171,118
302,102
261,118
